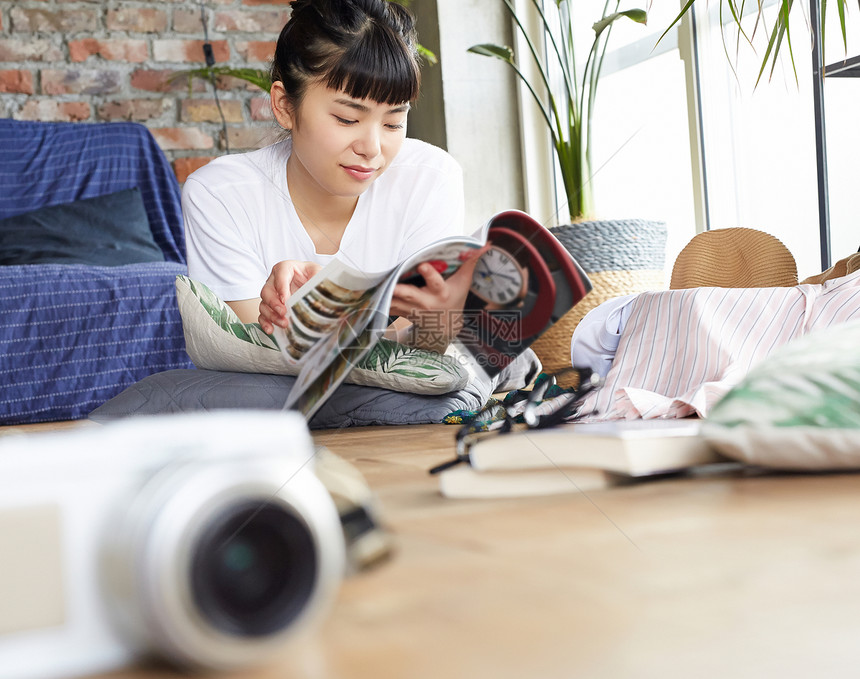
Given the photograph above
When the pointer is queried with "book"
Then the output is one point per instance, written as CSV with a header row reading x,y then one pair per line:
x,y
524,283
632,447
466,482
573,458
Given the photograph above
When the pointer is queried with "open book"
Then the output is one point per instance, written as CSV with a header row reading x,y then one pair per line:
x,y
522,285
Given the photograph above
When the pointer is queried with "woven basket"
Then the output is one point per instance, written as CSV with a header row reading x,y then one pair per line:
x,y
621,257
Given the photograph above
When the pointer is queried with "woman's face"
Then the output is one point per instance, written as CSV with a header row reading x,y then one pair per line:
x,y
340,144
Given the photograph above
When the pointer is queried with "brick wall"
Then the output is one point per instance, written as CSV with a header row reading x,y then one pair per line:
x,y
107,60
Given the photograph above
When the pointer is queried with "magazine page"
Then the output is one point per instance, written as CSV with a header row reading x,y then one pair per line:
x,y
325,333
317,309
314,385
348,318
339,292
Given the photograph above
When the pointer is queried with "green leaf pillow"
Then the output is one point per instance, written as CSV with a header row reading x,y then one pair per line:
x,y
216,339
797,409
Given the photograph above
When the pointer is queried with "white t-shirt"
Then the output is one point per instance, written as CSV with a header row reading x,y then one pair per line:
x,y
240,221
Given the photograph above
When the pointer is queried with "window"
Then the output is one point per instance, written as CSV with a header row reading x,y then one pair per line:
x,y
759,142
641,151
643,166
732,154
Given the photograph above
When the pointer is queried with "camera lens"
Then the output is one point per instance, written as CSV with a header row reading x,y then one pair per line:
x,y
253,569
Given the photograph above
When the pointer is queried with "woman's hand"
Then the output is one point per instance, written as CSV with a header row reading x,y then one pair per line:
x,y
286,277
436,308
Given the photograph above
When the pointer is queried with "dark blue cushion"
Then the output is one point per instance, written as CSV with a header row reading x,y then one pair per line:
x,y
108,230
52,163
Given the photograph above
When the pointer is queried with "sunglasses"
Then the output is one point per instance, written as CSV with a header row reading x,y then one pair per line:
x,y
545,405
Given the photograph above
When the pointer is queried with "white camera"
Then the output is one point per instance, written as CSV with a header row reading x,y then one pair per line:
x,y
206,539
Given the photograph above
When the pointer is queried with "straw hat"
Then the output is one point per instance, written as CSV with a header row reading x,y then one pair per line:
x,y
842,268
734,258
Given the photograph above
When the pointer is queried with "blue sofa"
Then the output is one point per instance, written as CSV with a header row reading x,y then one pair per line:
x,y
73,335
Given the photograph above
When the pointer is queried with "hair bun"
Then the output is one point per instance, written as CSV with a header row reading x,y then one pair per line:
x,y
300,5
376,9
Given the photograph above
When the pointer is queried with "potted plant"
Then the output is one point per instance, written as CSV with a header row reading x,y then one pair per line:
x,y
568,104
620,256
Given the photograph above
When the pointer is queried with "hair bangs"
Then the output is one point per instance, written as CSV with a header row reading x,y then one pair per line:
x,y
380,67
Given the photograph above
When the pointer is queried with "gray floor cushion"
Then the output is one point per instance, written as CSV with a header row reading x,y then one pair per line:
x,y
188,390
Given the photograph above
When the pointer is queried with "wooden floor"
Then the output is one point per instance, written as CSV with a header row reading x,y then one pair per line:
x,y
726,576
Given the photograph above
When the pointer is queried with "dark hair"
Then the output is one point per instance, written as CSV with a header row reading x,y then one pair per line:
x,y
366,48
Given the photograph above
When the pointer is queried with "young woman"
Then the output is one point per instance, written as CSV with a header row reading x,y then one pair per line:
x,y
346,182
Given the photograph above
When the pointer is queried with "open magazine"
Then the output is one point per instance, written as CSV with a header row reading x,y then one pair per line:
x,y
521,286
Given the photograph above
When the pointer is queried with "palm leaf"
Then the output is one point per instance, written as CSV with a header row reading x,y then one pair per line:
x,y
640,16
502,52
811,381
428,55
780,30
255,76
220,312
681,14
414,372
568,105
388,356
506,54
779,35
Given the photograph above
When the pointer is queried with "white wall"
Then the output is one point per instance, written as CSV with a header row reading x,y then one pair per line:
x,y
469,103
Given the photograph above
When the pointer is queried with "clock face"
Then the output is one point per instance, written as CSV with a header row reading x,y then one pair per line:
x,y
498,277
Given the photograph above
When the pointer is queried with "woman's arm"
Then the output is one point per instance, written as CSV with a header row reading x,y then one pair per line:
x,y
248,310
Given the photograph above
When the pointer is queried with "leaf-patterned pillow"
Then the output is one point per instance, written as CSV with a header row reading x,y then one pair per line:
x,y
797,409
216,339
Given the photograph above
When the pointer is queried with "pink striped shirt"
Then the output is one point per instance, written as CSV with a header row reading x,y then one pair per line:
x,y
682,350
